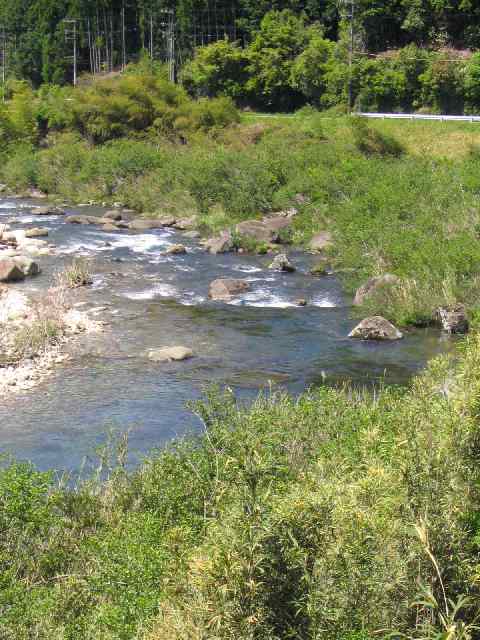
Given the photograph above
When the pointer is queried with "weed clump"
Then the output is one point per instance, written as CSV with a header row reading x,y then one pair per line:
x,y
78,274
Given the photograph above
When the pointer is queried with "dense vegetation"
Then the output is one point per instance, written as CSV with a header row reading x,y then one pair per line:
x,y
139,140
296,54
336,515
290,62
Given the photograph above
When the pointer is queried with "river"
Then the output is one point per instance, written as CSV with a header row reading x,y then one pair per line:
x,y
148,300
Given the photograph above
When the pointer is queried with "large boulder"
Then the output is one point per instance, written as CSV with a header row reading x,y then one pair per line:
x,y
375,328
193,235
282,263
453,320
166,221
258,231
27,265
168,354
48,211
36,232
10,271
321,241
227,288
144,224
277,222
220,244
372,285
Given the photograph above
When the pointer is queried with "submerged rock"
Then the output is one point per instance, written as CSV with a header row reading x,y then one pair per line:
x,y
375,328
168,354
453,320
227,288
282,263
10,271
372,285
321,241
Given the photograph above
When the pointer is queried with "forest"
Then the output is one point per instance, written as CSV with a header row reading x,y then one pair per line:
x,y
36,42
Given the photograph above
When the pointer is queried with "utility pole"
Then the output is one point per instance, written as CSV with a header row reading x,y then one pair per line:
x,y
71,36
3,59
168,25
124,44
350,55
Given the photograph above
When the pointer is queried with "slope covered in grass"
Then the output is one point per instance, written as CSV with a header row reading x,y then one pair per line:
x,y
326,516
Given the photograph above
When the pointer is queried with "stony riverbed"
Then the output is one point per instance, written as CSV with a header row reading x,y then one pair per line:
x,y
147,297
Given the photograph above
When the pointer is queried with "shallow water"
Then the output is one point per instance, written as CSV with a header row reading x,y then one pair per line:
x,y
152,300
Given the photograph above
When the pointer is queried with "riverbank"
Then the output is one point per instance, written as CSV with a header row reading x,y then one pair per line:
x,y
271,523
387,194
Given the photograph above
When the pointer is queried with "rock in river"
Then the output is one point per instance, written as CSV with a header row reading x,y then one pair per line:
x,y
282,263
28,266
167,354
220,244
82,219
227,288
176,249
10,271
375,328
48,211
144,224
36,232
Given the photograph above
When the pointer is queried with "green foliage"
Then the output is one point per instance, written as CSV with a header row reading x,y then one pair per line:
x,y
218,69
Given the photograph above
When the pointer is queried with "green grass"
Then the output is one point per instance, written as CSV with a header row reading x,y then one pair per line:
x,y
400,197
320,517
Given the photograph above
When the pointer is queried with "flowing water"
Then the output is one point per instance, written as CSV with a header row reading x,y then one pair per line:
x,y
152,300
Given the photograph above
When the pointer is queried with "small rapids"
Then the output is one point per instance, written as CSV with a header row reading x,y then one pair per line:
x,y
149,299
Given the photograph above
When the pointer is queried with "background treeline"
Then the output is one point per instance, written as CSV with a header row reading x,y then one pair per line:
x,y
290,63
112,31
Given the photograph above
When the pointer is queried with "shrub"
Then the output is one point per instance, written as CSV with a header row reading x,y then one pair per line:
x,y
78,274
217,69
370,141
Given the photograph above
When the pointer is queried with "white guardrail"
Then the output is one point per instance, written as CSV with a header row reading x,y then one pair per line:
x,y
418,116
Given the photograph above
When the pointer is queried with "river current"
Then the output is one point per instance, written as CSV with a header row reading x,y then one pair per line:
x,y
148,300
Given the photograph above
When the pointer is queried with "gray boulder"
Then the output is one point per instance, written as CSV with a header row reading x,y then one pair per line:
x,y
169,354
372,285
453,320
375,328
227,288
282,263
321,241
10,271
193,235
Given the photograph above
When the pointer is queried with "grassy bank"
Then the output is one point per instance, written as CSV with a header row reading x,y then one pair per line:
x,y
399,197
336,516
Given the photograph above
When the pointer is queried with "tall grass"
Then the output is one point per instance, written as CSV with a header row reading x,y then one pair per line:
x,y
333,515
